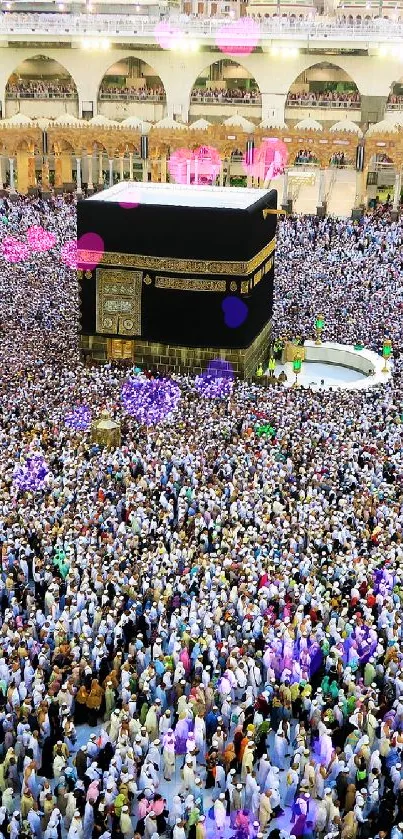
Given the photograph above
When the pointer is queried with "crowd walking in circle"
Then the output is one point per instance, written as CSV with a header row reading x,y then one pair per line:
x,y
201,630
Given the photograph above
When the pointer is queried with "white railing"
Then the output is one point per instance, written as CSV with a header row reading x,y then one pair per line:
x,y
130,97
207,100
323,103
394,106
84,24
43,94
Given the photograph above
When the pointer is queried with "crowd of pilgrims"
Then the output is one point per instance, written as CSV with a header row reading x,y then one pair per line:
x,y
201,630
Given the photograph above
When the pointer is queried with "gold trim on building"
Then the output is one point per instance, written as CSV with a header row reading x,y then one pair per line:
x,y
179,266
180,284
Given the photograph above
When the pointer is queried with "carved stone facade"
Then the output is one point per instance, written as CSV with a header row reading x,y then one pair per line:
x,y
68,142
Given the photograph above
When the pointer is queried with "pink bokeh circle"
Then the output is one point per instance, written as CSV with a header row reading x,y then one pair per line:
x,y
13,250
200,166
266,160
68,254
179,163
166,35
239,37
132,199
39,239
90,249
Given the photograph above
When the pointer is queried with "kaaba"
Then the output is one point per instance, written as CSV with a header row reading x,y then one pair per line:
x,y
185,275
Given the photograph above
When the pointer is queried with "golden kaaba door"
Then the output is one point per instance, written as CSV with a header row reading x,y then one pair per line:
x,y
118,302
117,348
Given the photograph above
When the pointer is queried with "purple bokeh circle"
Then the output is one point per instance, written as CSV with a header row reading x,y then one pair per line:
x,y
150,401
30,475
79,418
217,381
235,311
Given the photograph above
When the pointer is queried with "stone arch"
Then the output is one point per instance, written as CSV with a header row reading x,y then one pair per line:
x,y
225,68
302,85
9,65
135,64
395,98
21,85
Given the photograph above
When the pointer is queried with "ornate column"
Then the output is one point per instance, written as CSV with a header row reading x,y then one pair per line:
x,y
31,167
360,189
228,181
58,170
121,166
22,169
130,165
100,168
163,168
321,195
89,161
12,178
45,175
67,174
79,186
111,171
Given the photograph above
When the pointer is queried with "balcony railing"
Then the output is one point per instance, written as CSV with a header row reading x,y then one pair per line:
x,y
225,100
81,25
394,106
39,94
323,103
118,96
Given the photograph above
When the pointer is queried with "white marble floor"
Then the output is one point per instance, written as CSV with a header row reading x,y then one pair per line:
x,y
320,376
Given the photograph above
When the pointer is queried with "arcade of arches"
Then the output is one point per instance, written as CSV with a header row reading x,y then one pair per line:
x,y
149,85
89,156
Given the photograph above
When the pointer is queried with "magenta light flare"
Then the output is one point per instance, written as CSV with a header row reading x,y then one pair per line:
x,y
239,37
39,239
13,250
268,160
90,247
68,254
201,166
132,199
166,35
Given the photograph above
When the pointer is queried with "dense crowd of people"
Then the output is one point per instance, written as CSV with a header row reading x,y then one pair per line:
x,y
132,94
41,89
323,99
395,101
201,630
225,94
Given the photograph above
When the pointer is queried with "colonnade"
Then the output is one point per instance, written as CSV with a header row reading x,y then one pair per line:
x,y
94,171
90,157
